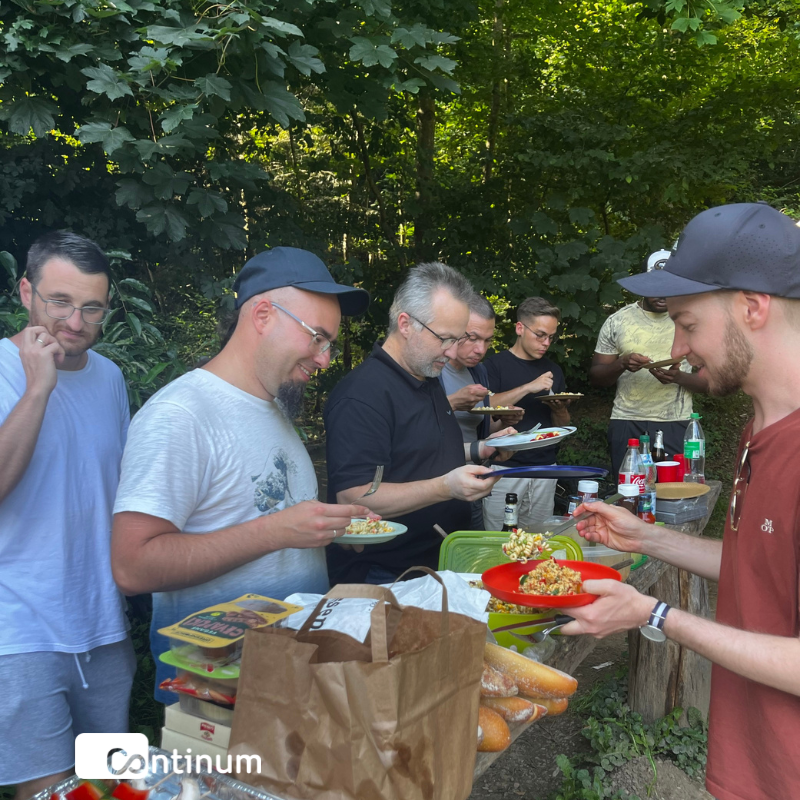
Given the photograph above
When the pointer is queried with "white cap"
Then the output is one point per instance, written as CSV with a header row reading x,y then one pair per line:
x,y
588,487
628,490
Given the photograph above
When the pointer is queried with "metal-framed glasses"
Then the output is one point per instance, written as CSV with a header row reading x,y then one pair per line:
x,y
447,341
319,344
740,483
540,336
58,309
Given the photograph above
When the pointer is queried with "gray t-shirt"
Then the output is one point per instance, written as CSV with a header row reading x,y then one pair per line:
x,y
455,379
206,455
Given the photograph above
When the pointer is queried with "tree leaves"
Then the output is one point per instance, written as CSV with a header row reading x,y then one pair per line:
x,y
370,54
107,81
207,202
282,104
214,85
29,113
111,138
166,182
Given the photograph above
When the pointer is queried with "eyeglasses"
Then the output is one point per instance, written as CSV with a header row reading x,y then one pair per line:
x,y
473,338
542,336
740,484
447,342
58,309
319,344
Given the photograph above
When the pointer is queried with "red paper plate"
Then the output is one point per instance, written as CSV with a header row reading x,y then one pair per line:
x,y
502,582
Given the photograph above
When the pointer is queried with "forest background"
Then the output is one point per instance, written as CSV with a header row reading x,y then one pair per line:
x,y
542,148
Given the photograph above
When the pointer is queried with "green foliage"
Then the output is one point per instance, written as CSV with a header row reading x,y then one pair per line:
x,y
618,735
146,715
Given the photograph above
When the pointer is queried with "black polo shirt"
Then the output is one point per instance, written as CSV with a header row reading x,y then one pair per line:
x,y
506,372
381,414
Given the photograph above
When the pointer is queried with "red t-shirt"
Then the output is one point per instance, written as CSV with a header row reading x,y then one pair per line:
x,y
754,736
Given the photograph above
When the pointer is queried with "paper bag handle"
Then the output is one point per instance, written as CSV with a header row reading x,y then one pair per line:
x,y
378,634
445,609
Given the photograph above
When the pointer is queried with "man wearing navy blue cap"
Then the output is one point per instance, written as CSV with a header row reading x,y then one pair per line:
x,y
733,290
218,496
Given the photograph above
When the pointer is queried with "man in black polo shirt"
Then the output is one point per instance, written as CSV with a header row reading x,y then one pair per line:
x,y
392,410
518,376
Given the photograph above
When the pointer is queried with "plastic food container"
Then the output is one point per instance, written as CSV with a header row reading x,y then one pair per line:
x,y
599,554
205,710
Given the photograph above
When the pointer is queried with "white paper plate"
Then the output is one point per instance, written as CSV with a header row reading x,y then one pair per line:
x,y
522,441
372,538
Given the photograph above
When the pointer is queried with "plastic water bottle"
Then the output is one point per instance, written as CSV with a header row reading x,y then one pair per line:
x,y
649,471
694,451
632,470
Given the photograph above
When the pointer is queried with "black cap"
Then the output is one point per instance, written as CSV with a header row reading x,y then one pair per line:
x,y
747,246
290,266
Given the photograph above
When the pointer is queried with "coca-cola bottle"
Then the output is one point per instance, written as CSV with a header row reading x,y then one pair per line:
x,y
659,453
632,470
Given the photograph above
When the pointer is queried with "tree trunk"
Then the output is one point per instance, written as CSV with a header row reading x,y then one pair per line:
x,y
499,48
426,128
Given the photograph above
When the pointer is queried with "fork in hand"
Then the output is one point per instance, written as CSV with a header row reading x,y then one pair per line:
x,y
376,482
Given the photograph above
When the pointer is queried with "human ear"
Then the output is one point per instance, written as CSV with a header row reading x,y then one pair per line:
x,y
756,309
26,293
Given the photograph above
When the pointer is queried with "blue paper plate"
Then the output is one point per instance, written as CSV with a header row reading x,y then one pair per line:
x,y
552,471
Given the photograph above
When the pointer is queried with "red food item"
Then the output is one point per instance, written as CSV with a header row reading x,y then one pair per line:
x,y
84,791
126,792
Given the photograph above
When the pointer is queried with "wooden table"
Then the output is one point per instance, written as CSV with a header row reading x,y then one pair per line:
x,y
661,676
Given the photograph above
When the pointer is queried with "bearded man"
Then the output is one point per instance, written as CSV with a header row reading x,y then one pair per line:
x,y
66,661
218,496
733,291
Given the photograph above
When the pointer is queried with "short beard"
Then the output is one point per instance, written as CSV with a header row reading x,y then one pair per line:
x,y
291,398
739,356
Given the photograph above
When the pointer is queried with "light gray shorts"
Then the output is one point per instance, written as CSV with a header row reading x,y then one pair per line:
x,y
49,698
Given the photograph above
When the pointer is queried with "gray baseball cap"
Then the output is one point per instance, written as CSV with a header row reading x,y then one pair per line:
x,y
748,246
290,266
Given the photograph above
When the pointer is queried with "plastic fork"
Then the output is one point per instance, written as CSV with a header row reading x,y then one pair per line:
x,y
539,636
376,482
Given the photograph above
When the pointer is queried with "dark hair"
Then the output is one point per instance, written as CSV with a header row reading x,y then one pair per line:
x,y
537,307
83,253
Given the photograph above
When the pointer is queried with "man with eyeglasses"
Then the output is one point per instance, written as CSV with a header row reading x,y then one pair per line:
x,y
218,496
66,660
466,382
733,291
518,377
392,411
646,400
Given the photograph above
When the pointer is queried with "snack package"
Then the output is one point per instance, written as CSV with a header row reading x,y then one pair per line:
x,y
215,691
210,641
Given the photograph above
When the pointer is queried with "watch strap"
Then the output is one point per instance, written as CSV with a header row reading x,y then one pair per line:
x,y
475,452
658,615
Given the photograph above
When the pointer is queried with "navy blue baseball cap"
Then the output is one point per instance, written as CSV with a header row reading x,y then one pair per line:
x,y
747,246
290,266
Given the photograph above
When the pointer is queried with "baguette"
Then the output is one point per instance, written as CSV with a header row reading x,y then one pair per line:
x,y
531,677
496,735
495,684
515,709
552,707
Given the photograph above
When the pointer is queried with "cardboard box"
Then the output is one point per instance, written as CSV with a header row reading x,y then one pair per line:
x,y
195,727
183,744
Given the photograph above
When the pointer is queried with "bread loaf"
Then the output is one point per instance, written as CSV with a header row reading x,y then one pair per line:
x,y
531,678
514,709
553,707
496,735
495,684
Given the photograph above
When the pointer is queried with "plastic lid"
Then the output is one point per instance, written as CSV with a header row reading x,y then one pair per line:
x,y
645,437
695,415
633,442
591,487
628,490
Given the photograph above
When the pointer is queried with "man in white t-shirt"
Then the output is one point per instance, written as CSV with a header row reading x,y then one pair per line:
x,y
66,660
218,496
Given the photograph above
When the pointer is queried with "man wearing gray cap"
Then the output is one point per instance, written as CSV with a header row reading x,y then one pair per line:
x,y
218,496
733,290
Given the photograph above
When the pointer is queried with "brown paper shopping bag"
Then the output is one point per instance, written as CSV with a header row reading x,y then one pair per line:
x,y
394,718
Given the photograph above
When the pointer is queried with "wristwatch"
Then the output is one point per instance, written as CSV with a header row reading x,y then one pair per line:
x,y
475,452
654,630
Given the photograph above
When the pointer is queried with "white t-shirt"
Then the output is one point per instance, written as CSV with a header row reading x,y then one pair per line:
x,y
56,588
206,455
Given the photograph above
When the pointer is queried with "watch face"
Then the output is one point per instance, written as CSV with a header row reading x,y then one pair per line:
x,y
652,633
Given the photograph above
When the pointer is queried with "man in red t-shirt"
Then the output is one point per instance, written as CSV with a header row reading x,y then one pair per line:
x,y
733,290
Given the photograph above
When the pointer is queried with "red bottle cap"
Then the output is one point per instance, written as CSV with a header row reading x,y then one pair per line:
x,y
633,442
